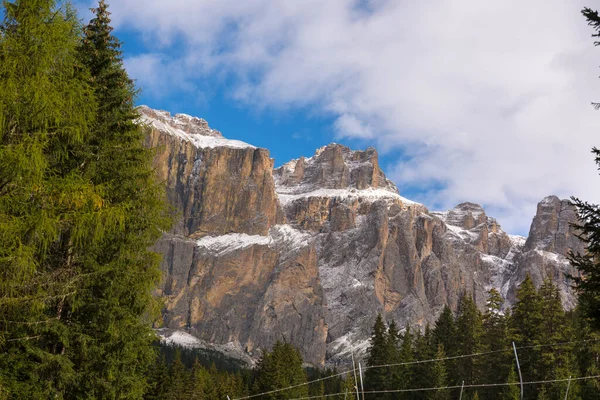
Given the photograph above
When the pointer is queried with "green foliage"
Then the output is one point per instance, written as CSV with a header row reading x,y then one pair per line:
x,y
469,331
79,206
495,339
587,283
281,368
377,378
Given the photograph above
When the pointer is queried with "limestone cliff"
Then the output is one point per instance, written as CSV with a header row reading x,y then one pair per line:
x,y
311,251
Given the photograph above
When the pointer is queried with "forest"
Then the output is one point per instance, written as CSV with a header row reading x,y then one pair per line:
x,y
467,351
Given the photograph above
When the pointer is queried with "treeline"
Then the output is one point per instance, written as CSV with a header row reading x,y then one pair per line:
x,y
551,345
183,373
468,347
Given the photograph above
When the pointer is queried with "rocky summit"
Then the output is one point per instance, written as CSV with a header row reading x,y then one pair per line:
x,y
310,252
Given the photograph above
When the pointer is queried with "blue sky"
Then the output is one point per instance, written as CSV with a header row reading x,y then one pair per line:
x,y
464,100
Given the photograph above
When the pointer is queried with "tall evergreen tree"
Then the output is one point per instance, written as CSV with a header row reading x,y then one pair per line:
x,y
496,366
394,376
377,378
79,207
405,371
511,392
49,213
117,298
469,332
444,331
281,368
587,282
555,362
526,318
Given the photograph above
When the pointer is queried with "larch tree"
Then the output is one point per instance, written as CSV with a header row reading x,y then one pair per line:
x,y
48,211
79,207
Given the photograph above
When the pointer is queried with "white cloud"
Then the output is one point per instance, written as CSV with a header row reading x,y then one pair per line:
x,y
489,99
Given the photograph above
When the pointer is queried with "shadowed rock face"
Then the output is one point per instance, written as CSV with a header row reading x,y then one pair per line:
x,y
310,252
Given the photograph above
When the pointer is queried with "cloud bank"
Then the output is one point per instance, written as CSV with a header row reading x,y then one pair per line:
x,y
485,101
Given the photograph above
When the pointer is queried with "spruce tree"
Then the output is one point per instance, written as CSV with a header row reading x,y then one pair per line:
x,y
511,392
118,296
587,355
469,332
587,283
377,378
495,366
444,331
555,362
445,334
394,376
281,368
405,371
348,388
526,318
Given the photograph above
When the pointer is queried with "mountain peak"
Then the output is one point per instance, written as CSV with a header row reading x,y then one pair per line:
x,y
334,166
191,129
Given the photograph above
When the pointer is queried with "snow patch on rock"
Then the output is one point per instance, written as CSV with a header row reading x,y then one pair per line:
x,y
289,194
191,129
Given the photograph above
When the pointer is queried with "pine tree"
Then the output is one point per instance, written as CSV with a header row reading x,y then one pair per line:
x,y
445,334
394,376
593,20
158,380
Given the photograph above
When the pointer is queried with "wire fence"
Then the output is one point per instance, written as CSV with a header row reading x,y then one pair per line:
x,y
480,354
480,385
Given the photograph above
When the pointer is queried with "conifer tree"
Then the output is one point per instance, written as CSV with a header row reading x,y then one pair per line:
x,y
118,296
49,213
377,378
511,392
394,376
405,371
444,331
587,283
555,362
348,388
526,318
79,207
496,366
469,332
281,368
587,355
445,334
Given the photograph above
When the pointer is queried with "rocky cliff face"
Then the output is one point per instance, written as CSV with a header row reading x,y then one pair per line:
x,y
311,251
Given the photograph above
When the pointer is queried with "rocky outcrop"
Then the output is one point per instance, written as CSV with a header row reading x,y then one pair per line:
x,y
310,252
218,185
551,238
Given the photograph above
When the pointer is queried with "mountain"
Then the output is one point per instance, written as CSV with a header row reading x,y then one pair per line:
x,y
310,252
